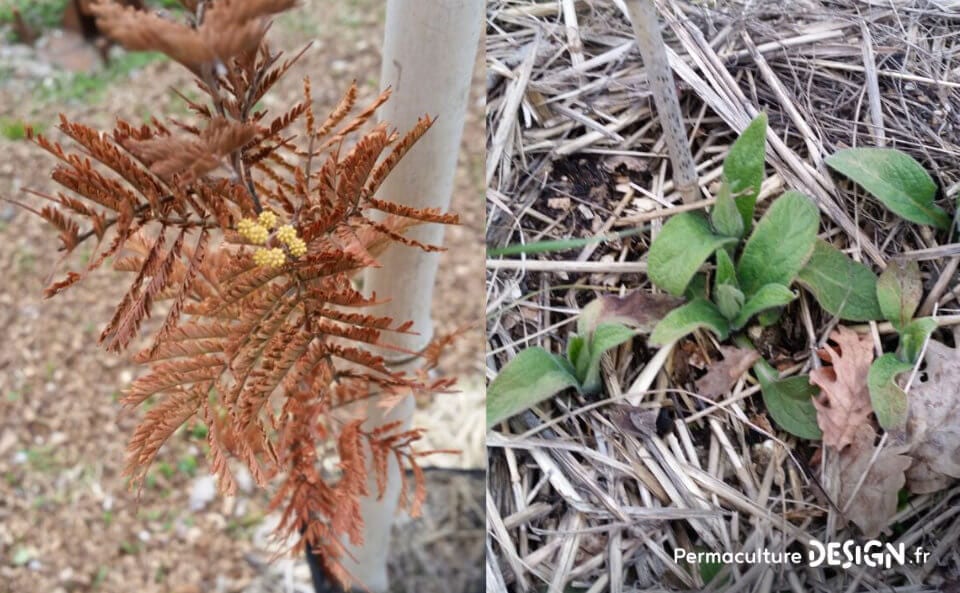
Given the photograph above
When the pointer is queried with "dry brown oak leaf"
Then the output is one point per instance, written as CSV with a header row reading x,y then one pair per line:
x,y
723,375
844,400
637,309
933,421
870,481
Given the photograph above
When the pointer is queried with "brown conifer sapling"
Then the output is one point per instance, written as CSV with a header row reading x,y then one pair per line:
x,y
253,228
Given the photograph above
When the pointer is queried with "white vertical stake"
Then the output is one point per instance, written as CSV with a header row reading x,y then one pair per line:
x,y
429,51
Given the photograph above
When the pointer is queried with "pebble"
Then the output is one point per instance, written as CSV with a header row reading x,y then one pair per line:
x,y
22,556
24,66
30,311
202,491
7,212
7,440
243,479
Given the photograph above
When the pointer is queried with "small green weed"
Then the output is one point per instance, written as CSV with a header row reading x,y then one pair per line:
x,y
90,88
26,262
48,14
240,526
99,578
42,459
49,369
129,548
43,14
160,574
188,465
12,129
199,431
152,514
166,469
166,4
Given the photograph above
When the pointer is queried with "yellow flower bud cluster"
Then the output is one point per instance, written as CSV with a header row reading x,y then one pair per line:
x,y
253,232
267,219
258,232
286,233
272,258
297,247
288,236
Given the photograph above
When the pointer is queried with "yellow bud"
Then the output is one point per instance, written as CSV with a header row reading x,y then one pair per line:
x,y
277,257
252,232
268,219
297,247
260,257
286,234
271,258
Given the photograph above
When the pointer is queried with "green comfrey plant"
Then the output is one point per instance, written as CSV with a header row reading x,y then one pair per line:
x,y
899,290
536,374
753,277
755,269
753,273
902,185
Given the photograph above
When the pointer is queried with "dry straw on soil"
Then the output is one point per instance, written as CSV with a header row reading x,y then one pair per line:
x,y
575,150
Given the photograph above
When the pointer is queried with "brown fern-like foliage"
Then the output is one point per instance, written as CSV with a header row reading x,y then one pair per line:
x,y
261,351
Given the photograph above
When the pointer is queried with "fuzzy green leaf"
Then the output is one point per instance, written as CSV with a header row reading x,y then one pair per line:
x,y
842,286
780,244
888,400
578,354
899,290
709,569
790,404
912,337
726,294
769,317
726,273
729,300
743,167
896,179
697,289
606,336
725,216
683,320
684,243
533,376
768,297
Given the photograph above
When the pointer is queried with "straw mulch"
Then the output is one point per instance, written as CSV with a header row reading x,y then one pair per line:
x,y
574,150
